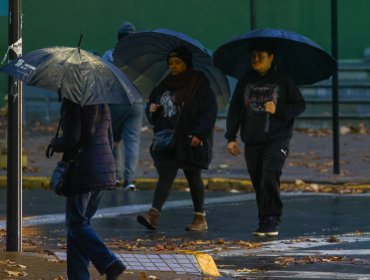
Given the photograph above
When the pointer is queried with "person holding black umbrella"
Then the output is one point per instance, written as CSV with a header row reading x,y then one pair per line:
x,y
185,103
263,107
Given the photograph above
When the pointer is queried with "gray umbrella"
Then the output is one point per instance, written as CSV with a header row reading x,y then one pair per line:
x,y
76,74
143,57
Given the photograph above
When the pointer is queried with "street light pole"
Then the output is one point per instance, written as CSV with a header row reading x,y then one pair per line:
x,y
253,14
14,133
335,82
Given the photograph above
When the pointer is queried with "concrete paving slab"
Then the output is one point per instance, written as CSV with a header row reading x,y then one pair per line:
x,y
181,263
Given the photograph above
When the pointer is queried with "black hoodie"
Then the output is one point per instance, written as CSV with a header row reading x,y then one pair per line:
x,y
246,110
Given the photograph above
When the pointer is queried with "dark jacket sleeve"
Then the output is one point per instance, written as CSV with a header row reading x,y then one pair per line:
x,y
208,113
235,112
153,99
294,103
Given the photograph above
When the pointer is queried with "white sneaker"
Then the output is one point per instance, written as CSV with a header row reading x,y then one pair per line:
x,y
129,186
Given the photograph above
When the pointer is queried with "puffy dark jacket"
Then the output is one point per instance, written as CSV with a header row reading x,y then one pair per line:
x,y
197,118
87,133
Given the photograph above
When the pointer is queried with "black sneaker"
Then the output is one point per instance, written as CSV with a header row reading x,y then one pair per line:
x,y
268,227
271,230
129,186
114,270
271,226
260,231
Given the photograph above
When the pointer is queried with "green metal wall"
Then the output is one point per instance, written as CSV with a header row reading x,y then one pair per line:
x,y
52,22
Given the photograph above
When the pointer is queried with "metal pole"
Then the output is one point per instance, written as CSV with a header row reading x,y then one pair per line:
x,y
14,143
335,95
253,14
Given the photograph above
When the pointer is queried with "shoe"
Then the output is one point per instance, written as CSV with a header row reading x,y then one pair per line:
x,y
199,222
114,270
268,227
128,186
118,183
149,219
260,231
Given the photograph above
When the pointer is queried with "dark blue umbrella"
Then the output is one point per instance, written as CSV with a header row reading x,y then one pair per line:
x,y
143,57
76,74
304,60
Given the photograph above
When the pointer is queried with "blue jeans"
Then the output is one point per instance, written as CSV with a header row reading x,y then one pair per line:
x,y
83,244
126,122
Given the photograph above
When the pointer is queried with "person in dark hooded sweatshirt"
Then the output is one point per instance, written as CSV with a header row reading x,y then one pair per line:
x,y
183,99
263,107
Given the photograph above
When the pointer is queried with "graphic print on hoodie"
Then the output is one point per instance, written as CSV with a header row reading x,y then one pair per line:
x,y
168,103
255,96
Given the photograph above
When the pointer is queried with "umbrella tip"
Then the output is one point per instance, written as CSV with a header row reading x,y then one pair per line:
x,y
79,42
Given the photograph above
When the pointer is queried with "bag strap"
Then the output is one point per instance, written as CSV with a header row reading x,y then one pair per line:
x,y
49,150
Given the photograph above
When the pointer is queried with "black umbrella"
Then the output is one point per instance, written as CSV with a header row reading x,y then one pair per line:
x,y
304,60
143,57
76,74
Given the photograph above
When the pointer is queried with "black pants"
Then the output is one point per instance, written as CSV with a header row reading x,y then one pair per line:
x,y
167,175
265,168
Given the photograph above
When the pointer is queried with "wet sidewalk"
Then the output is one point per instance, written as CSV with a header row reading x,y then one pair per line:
x,y
322,236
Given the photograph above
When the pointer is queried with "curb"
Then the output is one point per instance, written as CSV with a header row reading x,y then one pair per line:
x,y
218,184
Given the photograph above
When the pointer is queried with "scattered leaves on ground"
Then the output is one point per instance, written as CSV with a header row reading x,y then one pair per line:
x,y
285,261
178,244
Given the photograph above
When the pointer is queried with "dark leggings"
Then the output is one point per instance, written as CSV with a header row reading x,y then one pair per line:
x,y
167,175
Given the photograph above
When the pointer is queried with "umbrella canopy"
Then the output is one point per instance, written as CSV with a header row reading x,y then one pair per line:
x,y
304,60
143,57
76,74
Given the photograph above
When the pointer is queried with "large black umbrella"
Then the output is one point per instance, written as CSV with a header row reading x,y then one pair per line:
x,y
143,57
76,74
304,60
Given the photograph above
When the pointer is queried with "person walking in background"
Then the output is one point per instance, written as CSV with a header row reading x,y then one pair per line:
x,y
87,139
184,100
126,122
263,107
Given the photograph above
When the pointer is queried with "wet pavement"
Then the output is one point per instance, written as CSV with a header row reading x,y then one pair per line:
x,y
322,236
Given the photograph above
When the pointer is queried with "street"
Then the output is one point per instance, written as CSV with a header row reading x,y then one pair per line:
x,y
322,236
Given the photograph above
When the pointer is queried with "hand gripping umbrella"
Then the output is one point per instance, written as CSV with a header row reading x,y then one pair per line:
x,y
76,74
302,59
143,57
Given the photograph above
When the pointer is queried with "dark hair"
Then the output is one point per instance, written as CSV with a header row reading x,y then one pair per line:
x,y
263,46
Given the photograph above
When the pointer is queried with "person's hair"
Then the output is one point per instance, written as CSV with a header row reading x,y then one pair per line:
x,y
262,46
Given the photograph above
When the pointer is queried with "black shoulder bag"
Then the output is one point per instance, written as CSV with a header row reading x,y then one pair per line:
x,y
60,178
164,140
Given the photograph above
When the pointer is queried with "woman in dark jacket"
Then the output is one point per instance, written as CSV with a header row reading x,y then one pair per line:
x,y
86,139
183,100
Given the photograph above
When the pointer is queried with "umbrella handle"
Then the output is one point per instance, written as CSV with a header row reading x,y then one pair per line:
x,y
267,122
79,42
49,151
